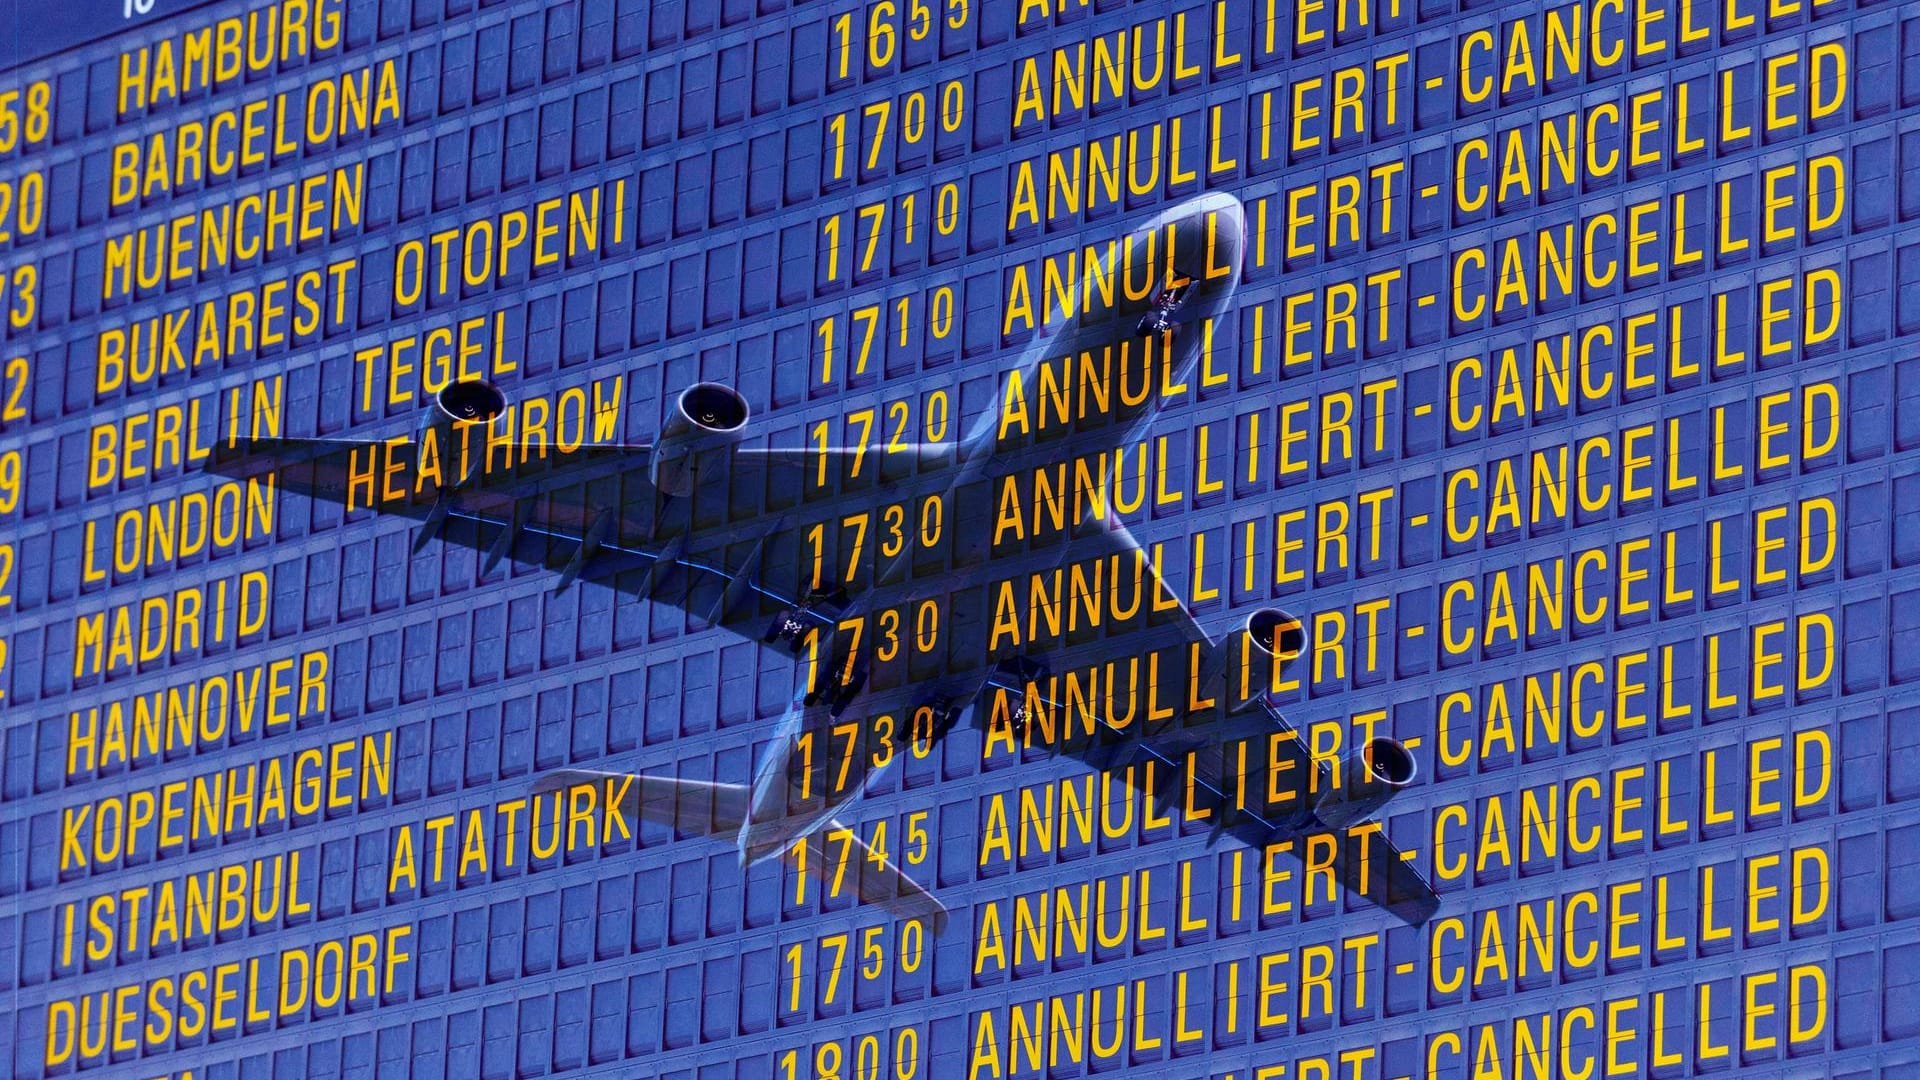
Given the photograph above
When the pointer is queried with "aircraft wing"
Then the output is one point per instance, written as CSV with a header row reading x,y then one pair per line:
x,y
723,551
1367,862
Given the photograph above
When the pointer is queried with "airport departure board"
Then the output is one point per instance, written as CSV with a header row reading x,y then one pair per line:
x,y
960,539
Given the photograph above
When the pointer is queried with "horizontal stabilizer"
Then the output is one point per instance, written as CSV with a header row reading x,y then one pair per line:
x,y
716,809
881,882
692,806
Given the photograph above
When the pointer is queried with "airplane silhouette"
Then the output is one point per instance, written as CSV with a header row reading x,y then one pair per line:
x,y
921,582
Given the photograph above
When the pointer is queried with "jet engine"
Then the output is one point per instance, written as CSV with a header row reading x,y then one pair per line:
x,y
1252,656
1377,772
454,426
1276,633
707,420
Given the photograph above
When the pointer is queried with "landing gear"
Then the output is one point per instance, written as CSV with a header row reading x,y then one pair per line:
x,y
1160,320
840,694
790,627
838,681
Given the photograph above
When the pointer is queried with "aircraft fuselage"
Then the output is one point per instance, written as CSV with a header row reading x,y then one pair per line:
x,y
916,642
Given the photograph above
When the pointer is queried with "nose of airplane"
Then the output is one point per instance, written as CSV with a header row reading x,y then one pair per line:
x,y
1224,205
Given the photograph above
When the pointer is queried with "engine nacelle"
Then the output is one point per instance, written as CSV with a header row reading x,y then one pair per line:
x,y
1253,655
1377,772
455,427
707,420
1276,633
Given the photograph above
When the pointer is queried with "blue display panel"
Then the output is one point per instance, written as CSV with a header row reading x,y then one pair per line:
x,y
1568,396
